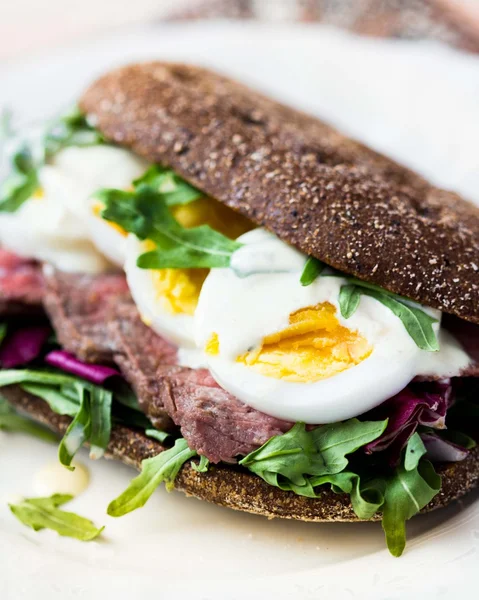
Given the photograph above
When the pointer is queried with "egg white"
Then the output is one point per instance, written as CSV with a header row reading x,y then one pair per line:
x,y
177,328
244,310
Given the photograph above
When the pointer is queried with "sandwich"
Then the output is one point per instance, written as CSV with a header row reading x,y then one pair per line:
x,y
241,302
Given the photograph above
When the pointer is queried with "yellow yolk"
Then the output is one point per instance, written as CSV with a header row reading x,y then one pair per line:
x,y
179,289
97,209
315,346
206,211
213,345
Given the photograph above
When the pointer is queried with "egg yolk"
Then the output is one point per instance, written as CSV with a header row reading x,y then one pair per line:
x,y
97,209
178,290
315,346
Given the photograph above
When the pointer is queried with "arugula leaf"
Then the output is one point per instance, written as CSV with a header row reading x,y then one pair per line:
x,y
90,406
417,322
171,186
366,497
3,332
414,451
77,433
289,461
145,213
202,466
22,182
312,269
156,434
163,467
71,129
6,128
11,376
13,422
56,400
43,513
407,492
349,297
100,415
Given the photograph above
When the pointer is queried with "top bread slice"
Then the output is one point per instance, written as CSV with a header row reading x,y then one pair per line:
x,y
330,196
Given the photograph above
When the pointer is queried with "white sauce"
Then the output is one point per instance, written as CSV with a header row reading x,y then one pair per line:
x,y
262,254
54,478
242,311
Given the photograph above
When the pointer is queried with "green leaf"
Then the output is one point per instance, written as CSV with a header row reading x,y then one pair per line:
x,y
78,431
407,492
58,402
100,417
163,467
13,422
202,466
89,405
349,297
21,183
366,498
156,434
312,270
71,129
171,186
11,376
6,128
3,332
145,213
414,451
43,513
288,460
417,322
336,440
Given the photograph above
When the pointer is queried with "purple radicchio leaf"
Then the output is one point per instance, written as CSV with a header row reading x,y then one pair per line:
x,y
420,404
441,450
67,362
22,346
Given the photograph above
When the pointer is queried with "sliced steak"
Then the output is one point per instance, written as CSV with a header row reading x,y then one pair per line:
x,y
212,421
81,307
21,285
95,318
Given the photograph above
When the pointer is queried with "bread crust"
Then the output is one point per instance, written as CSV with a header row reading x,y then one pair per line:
x,y
324,193
233,487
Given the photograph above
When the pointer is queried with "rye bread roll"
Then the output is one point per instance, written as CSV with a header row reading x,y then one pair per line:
x,y
238,489
322,192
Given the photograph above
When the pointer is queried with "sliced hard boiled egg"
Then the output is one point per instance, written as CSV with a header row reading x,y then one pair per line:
x,y
285,349
167,298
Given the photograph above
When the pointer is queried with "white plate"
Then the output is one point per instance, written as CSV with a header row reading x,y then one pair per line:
x,y
418,102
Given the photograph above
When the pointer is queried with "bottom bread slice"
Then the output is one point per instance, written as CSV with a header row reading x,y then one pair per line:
x,y
238,489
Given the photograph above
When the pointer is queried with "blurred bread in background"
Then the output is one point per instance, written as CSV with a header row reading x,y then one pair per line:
x,y
455,22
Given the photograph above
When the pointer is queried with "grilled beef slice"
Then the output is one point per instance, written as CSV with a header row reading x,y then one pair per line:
x,y
21,285
95,319
212,421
